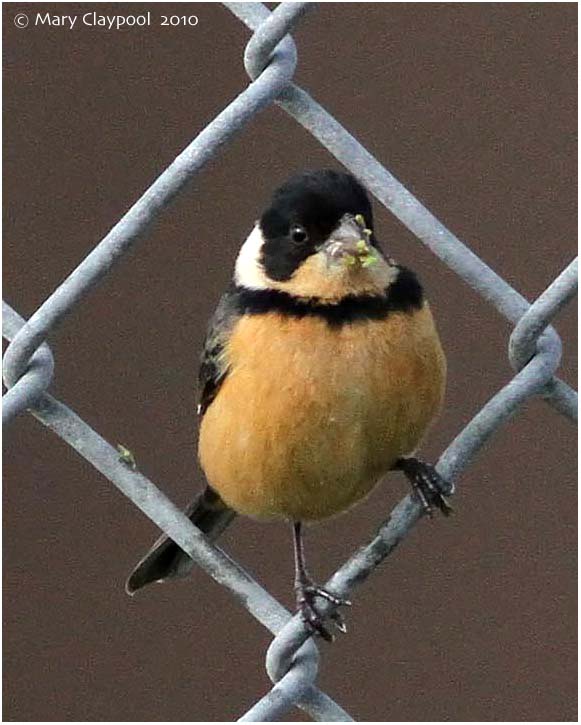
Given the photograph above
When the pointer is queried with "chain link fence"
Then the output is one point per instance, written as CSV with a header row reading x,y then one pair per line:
x,y
534,352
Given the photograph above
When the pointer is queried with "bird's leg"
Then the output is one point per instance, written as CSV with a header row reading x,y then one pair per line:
x,y
430,488
307,591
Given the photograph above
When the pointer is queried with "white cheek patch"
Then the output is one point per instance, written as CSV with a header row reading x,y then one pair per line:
x,y
248,271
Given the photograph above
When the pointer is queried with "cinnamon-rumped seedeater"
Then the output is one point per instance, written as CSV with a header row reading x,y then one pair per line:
x,y
321,371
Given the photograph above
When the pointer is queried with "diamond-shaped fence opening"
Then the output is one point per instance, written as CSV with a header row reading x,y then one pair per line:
x,y
534,353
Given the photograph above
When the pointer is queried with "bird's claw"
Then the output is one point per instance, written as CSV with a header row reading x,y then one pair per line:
x,y
338,621
428,485
315,621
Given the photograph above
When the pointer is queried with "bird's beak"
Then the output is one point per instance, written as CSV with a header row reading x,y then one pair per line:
x,y
349,244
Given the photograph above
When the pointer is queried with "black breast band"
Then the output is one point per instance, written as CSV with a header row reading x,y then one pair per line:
x,y
403,295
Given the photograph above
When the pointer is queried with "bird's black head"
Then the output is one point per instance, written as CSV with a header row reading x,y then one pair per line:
x,y
316,240
306,212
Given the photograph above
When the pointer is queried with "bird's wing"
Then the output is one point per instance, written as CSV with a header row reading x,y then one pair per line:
x,y
213,365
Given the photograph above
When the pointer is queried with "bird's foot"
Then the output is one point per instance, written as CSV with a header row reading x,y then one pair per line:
x,y
307,592
429,487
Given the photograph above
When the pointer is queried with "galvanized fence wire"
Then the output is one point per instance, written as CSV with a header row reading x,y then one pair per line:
x,y
534,353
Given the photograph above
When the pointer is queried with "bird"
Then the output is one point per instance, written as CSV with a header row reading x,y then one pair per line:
x,y
321,372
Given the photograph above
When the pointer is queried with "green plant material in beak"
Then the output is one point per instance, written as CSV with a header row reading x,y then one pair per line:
x,y
364,256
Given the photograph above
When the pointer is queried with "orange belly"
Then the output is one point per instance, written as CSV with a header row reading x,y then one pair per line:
x,y
310,417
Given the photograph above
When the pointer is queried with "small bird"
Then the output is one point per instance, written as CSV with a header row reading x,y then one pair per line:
x,y
321,371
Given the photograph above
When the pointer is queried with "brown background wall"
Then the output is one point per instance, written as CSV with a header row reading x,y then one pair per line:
x,y
470,105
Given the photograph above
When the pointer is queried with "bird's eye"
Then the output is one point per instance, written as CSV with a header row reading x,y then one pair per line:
x,y
299,234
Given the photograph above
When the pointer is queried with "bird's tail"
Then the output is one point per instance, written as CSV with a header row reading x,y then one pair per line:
x,y
165,559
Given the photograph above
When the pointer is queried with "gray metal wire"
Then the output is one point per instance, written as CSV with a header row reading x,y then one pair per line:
x,y
534,352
